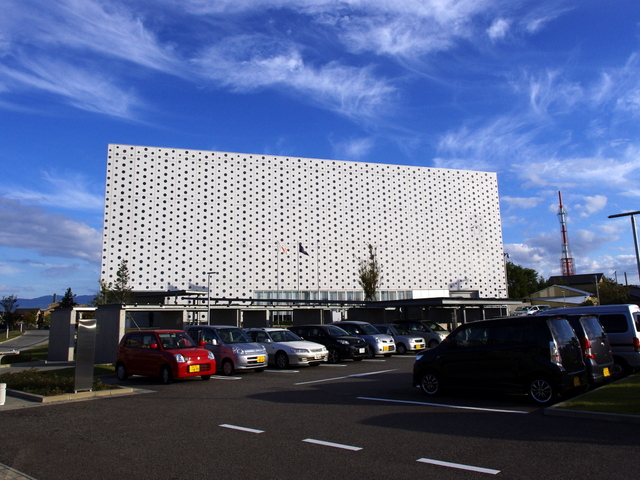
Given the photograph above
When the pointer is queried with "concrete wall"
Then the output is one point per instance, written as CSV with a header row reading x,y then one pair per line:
x,y
226,316
255,318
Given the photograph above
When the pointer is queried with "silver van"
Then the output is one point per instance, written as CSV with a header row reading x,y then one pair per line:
x,y
622,324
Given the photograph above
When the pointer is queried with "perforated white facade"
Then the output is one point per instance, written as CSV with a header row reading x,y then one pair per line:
x,y
175,215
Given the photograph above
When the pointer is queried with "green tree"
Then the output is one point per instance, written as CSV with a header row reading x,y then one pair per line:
x,y
9,305
612,293
117,292
68,300
522,281
369,274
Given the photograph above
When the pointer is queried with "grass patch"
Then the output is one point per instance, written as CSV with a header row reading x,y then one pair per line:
x,y
620,397
52,382
12,334
32,355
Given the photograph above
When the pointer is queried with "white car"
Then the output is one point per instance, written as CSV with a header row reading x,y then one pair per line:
x,y
285,348
530,310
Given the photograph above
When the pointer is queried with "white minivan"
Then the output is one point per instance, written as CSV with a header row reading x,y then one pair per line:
x,y
622,325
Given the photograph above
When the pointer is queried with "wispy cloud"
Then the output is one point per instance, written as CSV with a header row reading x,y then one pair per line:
x,y
521,202
68,191
253,62
591,205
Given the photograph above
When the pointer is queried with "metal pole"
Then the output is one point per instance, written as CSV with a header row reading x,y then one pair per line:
x,y
635,241
209,296
635,236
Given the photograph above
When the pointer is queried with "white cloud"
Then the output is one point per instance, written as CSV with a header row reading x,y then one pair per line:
x,y
498,29
353,148
521,202
30,228
591,205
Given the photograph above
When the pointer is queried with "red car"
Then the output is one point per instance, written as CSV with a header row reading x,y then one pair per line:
x,y
168,354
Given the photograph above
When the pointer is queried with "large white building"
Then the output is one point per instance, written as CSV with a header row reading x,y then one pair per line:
x,y
178,215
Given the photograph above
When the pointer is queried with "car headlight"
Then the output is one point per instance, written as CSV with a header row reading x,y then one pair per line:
x,y
210,355
300,350
377,339
237,350
343,342
180,358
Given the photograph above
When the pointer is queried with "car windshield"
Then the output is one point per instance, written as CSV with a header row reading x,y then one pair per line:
x,y
335,331
401,330
436,327
369,329
233,335
284,336
173,340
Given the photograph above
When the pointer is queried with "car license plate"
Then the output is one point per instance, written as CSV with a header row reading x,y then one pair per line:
x,y
361,350
194,368
318,357
605,372
419,346
576,381
385,348
261,359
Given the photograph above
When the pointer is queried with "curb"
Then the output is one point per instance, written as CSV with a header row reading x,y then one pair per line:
x,y
588,415
68,396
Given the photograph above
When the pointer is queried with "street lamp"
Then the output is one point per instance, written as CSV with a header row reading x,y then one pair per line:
x,y
635,234
209,296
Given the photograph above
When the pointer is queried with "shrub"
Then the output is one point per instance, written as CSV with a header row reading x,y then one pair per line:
x,y
44,383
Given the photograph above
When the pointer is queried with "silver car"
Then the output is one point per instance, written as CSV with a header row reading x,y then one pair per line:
x,y
232,348
405,340
377,343
286,348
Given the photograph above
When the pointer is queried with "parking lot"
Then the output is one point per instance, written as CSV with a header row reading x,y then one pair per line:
x,y
351,420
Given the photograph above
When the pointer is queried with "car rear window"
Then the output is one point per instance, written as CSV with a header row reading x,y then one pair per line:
x,y
613,322
592,327
561,330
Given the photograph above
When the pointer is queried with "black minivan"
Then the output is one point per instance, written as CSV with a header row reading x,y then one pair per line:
x,y
536,354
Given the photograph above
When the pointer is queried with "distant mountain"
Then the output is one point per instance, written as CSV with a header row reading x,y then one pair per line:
x,y
44,302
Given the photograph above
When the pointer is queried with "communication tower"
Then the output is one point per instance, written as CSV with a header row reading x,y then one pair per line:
x,y
566,262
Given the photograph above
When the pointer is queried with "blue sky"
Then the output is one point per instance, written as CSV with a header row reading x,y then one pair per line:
x,y
545,93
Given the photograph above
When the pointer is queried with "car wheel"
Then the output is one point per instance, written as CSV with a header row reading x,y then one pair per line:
x,y
165,375
282,360
334,356
205,377
541,390
121,372
620,368
431,384
227,367
433,343
401,349
371,352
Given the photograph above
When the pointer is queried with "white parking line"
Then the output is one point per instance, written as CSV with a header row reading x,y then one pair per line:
x,y
243,429
460,407
331,444
346,376
374,360
459,466
272,370
222,377
332,365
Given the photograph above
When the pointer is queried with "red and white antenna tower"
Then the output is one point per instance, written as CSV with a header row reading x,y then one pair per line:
x,y
566,262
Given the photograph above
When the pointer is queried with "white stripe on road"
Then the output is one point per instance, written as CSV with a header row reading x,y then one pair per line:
x,y
281,371
459,466
224,377
460,407
331,444
243,429
347,376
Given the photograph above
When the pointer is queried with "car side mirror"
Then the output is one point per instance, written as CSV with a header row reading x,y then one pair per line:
x,y
202,343
267,340
153,346
214,341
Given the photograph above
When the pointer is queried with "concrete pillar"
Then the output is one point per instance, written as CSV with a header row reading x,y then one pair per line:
x,y
62,335
110,324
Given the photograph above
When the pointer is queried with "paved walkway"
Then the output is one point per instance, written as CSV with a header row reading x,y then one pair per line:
x,y
8,473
